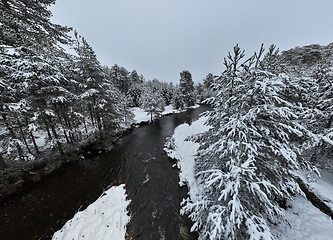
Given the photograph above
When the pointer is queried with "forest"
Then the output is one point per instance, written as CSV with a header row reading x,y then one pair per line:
x,y
272,115
52,99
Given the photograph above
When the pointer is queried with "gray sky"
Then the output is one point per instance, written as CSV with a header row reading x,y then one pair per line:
x,y
160,38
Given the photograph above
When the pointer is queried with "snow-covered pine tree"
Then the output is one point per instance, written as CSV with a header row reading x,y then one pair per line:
x,y
318,111
169,92
134,78
97,93
34,82
200,92
30,46
323,76
134,94
152,100
209,80
27,23
178,99
244,160
121,78
186,86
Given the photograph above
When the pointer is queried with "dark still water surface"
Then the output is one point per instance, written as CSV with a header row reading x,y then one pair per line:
x,y
138,161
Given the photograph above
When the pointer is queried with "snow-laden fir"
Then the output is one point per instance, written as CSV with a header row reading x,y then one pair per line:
x,y
303,220
245,159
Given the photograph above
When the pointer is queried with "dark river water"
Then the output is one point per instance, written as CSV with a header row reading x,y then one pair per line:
x,y
138,161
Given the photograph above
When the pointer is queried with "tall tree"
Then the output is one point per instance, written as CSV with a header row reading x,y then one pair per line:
x,y
244,160
151,99
27,23
96,90
209,80
186,86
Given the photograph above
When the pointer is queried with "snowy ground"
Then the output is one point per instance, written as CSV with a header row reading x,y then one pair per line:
x,y
321,187
307,222
141,116
104,219
184,152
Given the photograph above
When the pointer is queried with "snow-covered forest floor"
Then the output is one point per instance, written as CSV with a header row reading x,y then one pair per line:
x,y
306,221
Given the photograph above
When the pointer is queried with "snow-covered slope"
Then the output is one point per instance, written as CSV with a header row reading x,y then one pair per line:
x,y
104,219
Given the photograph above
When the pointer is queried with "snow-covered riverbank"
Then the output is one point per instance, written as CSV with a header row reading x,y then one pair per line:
x,y
104,219
306,221
141,116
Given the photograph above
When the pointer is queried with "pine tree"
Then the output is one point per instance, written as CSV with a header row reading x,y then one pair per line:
x,y
209,80
97,93
27,23
152,100
178,99
186,86
244,160
29,59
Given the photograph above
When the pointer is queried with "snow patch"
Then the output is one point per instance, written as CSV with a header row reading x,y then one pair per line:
x,y
141,115
184,151
307,223
104,219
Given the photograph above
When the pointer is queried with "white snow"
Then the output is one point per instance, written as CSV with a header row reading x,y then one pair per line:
x,y
184,151
307,222
141,116
104,219
322,187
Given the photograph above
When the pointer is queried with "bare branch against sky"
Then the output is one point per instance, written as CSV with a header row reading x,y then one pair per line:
x,y
160,38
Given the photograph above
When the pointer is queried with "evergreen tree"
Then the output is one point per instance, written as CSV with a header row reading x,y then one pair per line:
x,y
186,86
97,91
178,99
134,78
200,92
30,63
27,23
134,95
209,80
151,100
244,160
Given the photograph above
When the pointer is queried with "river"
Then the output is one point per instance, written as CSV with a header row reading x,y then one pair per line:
x,y
137,160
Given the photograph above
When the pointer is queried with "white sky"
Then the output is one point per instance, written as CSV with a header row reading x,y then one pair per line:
x,y
160,38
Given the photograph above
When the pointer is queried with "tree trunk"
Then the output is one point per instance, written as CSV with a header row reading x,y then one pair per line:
x,y
91,114
85,125
34,142
329,123
67,139
56,137
12,134
22,134
47,128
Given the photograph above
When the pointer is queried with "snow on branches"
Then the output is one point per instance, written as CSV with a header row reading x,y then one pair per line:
x,y
244,160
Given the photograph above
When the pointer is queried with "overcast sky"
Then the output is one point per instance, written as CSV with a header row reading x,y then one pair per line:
x,y
160,38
